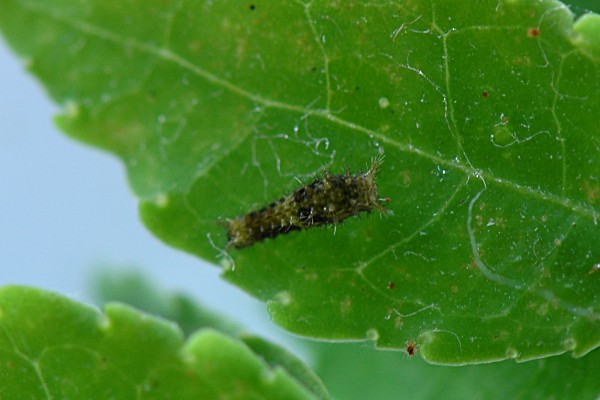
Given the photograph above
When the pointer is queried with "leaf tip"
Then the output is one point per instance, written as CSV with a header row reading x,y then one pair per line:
x,y
512,353
160,200
569,344
372,335
284,298
71,109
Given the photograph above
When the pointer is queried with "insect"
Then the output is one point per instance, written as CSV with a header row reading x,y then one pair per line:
x,y
411,348
327,200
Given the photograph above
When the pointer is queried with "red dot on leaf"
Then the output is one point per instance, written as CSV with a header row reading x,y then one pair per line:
x,y
411,348
533,32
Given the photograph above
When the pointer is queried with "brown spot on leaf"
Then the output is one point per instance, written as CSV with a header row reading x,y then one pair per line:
x,y
411,348
533,32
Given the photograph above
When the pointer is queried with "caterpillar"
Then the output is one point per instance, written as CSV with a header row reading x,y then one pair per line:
x,y
327,200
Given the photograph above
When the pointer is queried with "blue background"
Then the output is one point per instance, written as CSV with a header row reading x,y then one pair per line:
x,y
66,211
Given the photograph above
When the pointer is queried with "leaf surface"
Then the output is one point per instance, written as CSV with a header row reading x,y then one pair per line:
x,y
356,371
53,347
486,114
353,372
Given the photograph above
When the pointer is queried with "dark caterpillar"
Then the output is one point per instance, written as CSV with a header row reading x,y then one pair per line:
x,y
329,200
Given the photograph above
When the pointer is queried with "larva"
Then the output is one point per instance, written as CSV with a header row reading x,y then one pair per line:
x,y
329,200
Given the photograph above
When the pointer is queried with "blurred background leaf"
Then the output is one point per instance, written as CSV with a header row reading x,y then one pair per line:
x,y
54,347
580,7
133,288
358,371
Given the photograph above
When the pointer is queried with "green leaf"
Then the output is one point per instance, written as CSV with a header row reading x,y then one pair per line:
x,y
132,288
359,372
53,347
353,372
486,112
